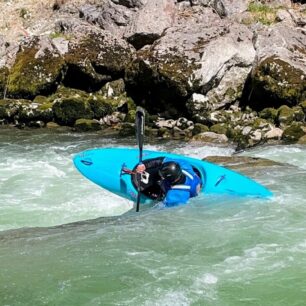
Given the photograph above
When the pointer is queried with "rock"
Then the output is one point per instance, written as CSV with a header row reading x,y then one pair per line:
x,y
274,133
161,123
279,74
68,110
109,16
95,57
285,115
188,59
269,113
85,125
244,164
219,128
302,140
130,3
199,128
293,133
151,20
210,137
114,88
52,125
37,69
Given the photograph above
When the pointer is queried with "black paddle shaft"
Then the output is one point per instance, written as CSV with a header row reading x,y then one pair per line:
x,y
140,124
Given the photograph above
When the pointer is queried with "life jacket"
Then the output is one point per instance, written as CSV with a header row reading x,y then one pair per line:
x,y
191,183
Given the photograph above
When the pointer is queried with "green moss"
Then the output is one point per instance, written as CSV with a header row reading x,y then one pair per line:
x,y
269,113
85,125
100,53
68,110
31,76
199,128
101,106
259,123
219,128
293,133
285,115
281,80
262,13
303,106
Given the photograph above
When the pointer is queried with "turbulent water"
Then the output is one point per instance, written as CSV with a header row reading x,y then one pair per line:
x,y
65,241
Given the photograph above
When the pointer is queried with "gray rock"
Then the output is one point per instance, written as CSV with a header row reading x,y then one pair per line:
x,y
150,22
108,16
274,133
211,137
130,3
280,69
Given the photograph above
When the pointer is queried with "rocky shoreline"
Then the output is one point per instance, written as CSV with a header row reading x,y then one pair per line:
x,y
210,71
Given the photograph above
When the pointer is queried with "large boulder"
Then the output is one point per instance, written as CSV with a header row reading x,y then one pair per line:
x,y
188,58
279,74
150,22
37,69
94,57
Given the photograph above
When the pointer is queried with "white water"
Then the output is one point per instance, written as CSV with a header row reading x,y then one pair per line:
x,y
40,186
214,251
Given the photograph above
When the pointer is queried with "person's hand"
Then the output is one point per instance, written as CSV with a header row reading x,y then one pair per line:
x,y
140,168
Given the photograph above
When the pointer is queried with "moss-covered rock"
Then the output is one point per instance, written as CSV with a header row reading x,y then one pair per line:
x,y
199,128
259,123
36,70
96,59
67,110
41,110
101,106
285,115
3,80
219,128
293,133
303,106
302,140
162,81
114,88
278,82
269,113
85,125
10,108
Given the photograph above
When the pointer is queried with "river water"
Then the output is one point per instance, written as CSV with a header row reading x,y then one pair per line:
x,y
66,241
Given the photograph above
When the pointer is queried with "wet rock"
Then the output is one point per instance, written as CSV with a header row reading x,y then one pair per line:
x,y
243,164
293,133
199,128
67,110
211,137
302,140
285,115
85,125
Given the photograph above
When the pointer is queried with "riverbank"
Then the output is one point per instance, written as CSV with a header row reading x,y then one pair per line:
x,y
208,71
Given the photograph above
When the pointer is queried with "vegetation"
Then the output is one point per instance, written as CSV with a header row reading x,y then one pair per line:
x,y
262,12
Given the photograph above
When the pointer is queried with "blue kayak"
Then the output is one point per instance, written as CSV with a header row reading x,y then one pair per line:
x,y
112,169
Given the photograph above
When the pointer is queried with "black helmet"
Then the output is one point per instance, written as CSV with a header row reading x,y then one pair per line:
x,y
170,171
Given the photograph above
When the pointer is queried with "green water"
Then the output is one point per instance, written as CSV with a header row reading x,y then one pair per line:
x,y
214,251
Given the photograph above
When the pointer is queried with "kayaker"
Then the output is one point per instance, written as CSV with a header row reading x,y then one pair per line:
x,y
177,179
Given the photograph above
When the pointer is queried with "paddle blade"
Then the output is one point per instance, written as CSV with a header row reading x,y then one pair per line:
x,y
140,121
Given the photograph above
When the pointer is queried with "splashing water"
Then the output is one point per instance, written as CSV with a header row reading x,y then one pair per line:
x,y
214,251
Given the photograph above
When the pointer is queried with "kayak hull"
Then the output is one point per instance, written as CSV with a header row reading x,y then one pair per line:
x,y
103,166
